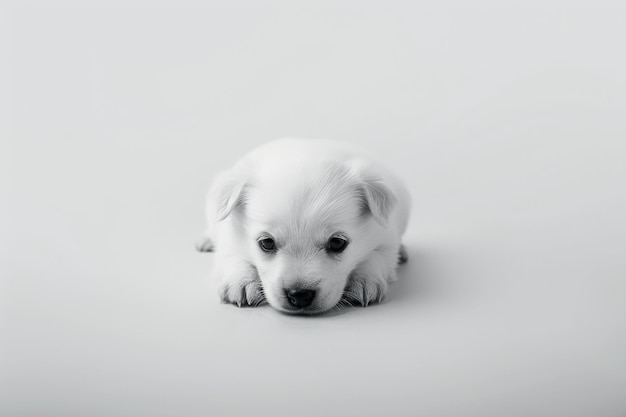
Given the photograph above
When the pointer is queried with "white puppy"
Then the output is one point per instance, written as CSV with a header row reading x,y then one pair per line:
x,y
306,225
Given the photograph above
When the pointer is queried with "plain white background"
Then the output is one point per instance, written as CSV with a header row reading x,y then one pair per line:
x,y
507,122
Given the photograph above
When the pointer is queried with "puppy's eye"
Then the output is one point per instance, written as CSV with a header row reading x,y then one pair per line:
x,y
267,244
336,245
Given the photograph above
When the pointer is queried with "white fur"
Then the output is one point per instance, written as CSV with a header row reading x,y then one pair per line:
x,y
302,193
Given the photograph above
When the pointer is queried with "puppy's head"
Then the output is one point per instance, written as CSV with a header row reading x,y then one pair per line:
x,y
308,229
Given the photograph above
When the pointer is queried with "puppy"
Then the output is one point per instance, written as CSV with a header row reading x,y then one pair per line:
x,y
306,225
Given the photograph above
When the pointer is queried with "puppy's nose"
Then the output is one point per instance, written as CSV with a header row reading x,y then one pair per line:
x,y
300,298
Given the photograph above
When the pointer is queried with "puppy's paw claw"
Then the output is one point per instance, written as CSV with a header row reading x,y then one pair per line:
x,y
365,291
205,245
403,256
242,294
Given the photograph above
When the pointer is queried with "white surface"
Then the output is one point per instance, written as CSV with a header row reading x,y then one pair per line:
x,y
508,124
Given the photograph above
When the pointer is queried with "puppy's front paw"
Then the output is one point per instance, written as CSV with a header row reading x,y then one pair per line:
x,y
205,244
364,290
247,292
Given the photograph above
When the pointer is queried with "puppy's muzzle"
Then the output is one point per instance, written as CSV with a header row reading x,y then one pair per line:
x,y
299,298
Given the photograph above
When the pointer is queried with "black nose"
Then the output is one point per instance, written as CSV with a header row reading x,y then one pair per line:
x,y
300,298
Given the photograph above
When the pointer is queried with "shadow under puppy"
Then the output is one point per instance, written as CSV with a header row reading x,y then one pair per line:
x,y
306,225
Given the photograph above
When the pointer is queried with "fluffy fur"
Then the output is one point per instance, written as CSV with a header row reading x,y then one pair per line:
x,y
302,193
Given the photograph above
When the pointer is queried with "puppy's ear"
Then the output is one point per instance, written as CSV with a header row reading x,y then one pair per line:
x,y
377,198
227,193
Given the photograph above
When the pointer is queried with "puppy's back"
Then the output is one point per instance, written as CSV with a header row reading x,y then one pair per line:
x,y
291,156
